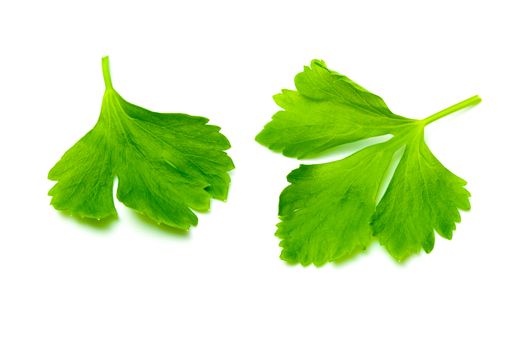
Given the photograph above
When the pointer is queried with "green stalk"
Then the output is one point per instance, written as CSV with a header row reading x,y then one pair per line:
x,y
469,102
106,73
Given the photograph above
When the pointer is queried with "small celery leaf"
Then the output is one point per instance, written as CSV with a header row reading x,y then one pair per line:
x,y
332,211
166,163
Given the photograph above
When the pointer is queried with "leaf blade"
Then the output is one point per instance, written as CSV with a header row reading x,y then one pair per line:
x,y
168,164
326,111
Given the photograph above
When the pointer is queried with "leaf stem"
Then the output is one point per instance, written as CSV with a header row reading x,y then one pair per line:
x,y
469,102
106,72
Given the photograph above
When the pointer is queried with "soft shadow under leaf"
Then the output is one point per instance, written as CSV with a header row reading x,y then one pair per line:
x,y
103,225
151,226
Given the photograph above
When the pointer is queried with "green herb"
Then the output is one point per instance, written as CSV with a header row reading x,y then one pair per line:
x,y
166,164
334,210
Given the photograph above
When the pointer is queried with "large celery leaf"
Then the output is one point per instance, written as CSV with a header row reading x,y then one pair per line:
x,y
332,211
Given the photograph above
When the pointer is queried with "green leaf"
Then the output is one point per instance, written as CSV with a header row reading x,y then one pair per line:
x,y
327,110
167,164
332,211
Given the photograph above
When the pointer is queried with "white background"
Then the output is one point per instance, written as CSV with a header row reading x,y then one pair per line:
x,y
130,285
